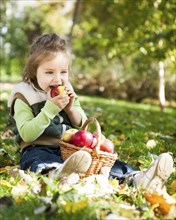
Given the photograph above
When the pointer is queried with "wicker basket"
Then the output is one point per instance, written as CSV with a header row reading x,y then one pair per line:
x,y
99,158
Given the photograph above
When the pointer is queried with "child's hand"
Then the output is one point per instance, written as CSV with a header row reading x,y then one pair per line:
x,y
61,100
69,106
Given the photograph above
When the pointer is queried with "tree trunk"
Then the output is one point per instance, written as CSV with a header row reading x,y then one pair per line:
x,y
162,100
75,13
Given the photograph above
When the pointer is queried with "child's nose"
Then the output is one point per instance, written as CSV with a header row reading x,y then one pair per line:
x,y
57,78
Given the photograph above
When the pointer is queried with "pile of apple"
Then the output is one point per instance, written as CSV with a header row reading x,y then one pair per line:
x,y
84,138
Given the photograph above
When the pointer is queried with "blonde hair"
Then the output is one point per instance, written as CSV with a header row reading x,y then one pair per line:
x,y
43,47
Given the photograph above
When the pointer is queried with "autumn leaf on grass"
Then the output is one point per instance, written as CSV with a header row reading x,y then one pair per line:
x,y
95,186
151,144
160,198
27,183
6,169
20,189
172,189
124,189
121,137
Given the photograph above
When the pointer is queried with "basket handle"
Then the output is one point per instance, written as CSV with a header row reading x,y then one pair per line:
x,y
98,131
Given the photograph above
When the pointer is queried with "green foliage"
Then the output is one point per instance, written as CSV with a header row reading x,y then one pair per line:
x,y
21,25
129,27
118,41
134,35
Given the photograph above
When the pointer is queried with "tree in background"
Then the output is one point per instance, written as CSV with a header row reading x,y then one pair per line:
x,y
21,24
140,33
117,45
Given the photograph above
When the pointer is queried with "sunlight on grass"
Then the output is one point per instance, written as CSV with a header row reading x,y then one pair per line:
x,y
121,103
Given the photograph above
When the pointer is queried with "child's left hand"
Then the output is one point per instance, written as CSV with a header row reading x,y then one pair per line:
x,y
69,106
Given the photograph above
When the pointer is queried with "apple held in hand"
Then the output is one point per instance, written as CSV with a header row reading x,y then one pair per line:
x,y
57,91
107,146
83,138
68,135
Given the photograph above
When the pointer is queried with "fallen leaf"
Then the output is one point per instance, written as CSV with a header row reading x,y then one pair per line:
x,y
171,188
20,189
159,199
173,184
151,144
8,169
121,137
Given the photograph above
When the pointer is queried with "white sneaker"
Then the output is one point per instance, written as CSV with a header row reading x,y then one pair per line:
x,y
79,163
157,174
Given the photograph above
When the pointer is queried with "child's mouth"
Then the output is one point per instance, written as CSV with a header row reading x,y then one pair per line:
x,y
54,86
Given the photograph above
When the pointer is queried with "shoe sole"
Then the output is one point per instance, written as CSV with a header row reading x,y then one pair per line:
x,y
163,170
165,167
78,162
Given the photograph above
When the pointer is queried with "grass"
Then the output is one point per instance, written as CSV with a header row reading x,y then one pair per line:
x,y
130,126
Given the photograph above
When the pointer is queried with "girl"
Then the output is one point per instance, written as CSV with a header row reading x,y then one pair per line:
x,y
41,120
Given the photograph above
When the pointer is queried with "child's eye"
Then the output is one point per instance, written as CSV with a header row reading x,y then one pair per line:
x,y
63,72
49,72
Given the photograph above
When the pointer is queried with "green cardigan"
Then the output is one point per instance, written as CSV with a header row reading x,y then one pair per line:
x,y
40,123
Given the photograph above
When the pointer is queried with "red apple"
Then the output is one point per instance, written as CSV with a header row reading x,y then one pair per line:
x,y
102,137
68,135
107,146
57,90
83,138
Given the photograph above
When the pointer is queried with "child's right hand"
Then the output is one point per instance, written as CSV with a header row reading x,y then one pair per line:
x,y
60,100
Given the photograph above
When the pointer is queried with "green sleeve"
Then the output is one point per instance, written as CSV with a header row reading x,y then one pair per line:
x,y
80,110
30,127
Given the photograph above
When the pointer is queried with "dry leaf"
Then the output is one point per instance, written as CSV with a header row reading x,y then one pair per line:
x,y
27,183
121,137
173,184
20,189
7,168
151,144
161,200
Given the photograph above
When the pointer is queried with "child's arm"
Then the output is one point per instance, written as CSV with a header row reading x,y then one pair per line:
x,y
30,127
74,110
79,111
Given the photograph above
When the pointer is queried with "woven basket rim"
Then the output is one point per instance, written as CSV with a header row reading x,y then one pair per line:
x,y
99,152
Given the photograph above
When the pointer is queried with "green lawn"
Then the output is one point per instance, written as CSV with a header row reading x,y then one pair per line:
x,y
130,126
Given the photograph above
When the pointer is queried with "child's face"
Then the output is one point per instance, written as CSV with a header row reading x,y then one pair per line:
x,y
53,72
